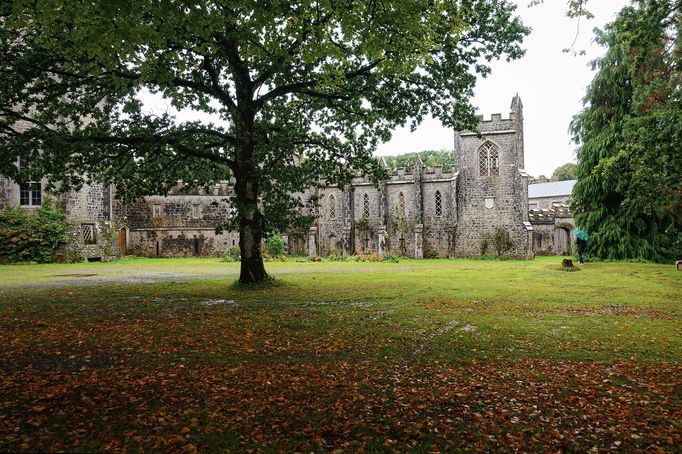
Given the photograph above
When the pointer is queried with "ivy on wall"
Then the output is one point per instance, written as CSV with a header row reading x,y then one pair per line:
x,y
32,237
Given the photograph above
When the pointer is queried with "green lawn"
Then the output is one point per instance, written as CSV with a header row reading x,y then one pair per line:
x,y
429,355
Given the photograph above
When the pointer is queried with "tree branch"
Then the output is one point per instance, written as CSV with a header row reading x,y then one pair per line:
x,y
300,87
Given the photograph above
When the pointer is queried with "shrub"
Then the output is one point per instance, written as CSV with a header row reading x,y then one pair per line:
x,y
374,257
26,237
339,258
501,241
276,247
390,258
430,253
233,254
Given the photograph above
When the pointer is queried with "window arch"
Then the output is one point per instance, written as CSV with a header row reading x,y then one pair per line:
x,y
439,203
489,159
401,205
332,207
365,205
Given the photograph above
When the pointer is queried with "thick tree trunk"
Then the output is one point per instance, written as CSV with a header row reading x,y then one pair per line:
x,y
252,221
250,237
251,228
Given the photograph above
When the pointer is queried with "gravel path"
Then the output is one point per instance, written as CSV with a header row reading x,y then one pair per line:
x,y
32,276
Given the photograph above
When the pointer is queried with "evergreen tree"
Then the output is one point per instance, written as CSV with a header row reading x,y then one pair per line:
x,y
629,189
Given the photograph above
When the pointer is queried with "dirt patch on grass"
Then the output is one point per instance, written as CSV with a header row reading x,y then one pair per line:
x,y
75,275
626,311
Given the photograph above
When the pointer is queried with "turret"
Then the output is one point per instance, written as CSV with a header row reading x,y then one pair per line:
x,y
516,115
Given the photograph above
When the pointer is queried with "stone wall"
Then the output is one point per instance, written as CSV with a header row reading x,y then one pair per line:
x,y
422,213
5,185
400,224
398,216
430,212
547,203
553,231
178,225
92,234
334,213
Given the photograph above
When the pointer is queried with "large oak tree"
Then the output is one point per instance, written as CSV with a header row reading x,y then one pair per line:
x,y
299,90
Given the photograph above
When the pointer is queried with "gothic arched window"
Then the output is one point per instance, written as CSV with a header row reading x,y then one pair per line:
x,y
489,159
332,207
365,205
401,205
439,203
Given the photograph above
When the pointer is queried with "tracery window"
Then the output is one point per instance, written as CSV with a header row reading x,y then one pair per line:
x,y
489,159
439,203
401,205
332,207
365,205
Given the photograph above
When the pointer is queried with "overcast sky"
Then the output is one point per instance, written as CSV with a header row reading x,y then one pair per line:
x,y
551,85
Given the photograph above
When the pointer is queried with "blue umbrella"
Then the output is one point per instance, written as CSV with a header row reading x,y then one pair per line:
x,y
582,235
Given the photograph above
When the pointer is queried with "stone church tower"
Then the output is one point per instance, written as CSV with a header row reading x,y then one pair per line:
x,y
492,186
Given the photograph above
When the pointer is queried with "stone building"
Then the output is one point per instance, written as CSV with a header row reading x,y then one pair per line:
x,y
178,225
544,196
418,212
90,231
550,214
433,212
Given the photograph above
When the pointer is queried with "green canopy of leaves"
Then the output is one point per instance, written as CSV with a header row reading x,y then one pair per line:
x,y
321,78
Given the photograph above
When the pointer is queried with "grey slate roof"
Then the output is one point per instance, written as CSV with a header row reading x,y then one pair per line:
x,y
553,189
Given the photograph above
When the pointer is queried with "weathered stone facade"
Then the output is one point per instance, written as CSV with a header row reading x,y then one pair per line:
x,y
420,212
433,212
552,230
546,196
417,213
90,232
488,199
178,225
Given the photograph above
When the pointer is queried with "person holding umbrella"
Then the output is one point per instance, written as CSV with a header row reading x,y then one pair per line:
x,y
581,239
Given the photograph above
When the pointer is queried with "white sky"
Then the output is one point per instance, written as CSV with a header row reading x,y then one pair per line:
x,y
551,85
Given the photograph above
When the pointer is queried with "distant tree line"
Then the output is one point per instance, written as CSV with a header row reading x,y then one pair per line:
x,y
430,158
